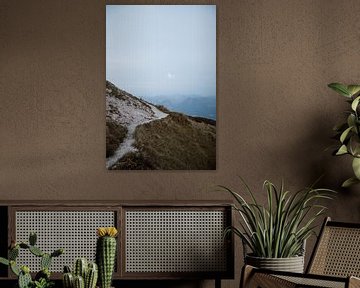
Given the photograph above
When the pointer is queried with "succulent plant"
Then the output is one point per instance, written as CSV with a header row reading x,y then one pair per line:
x,y
42,278
106,254
85,275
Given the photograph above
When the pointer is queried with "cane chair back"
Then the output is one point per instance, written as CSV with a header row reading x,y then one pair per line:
x,y
337,252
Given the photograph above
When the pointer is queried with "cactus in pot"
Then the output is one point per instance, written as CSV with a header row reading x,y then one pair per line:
x,y
106,254
85,275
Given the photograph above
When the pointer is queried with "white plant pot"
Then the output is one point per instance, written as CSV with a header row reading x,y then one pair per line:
x,y
291,264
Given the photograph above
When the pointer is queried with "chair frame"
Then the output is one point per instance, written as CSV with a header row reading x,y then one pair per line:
x,y
267,278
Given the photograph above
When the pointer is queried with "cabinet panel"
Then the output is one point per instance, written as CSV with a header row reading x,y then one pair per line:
x,y
175,242
73,229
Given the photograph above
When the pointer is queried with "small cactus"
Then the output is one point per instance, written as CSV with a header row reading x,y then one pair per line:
x,y
91,276
32,238
45,261
13,253
4,261
106,254
44,273
90,272
36,251
67,269
24,245
80,268
24,278
57,252
68,280
25,269
14,268
79,282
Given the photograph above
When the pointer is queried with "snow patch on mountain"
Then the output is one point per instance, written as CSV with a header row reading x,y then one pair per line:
x,y
129,112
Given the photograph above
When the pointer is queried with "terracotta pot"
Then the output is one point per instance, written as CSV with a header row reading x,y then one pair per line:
x,y
291,264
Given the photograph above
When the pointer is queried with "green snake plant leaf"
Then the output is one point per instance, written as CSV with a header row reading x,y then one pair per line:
x,y
353,89
248,190
340,88
271,189
355,103
342,150
240,234
349,182
237,197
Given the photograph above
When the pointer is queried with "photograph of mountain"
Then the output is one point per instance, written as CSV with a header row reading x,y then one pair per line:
x,y
160,87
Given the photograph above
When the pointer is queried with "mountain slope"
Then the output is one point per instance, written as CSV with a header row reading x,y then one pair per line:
x,y
155,139
124,113
189,104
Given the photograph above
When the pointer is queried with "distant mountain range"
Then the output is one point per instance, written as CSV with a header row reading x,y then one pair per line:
x,y
144,136
192,105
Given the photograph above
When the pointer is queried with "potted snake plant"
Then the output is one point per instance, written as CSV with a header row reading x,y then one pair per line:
x,y
274,234
348,133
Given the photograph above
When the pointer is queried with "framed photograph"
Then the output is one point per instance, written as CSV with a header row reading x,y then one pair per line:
x,y
160,87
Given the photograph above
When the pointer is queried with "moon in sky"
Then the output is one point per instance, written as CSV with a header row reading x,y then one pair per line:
x,y
170,75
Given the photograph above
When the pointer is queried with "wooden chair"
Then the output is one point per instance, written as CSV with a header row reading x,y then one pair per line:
x,y
334,263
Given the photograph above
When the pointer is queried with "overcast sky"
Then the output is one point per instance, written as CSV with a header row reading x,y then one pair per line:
x,y
162,49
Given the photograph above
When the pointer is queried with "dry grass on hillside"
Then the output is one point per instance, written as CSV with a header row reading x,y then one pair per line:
x,y
115,135
162,108
177,143
133,161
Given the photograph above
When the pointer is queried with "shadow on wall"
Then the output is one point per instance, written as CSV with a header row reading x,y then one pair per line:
x,y
311,159
310,155
335,170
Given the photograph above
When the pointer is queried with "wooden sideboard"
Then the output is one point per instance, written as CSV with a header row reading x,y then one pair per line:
x,y
157,240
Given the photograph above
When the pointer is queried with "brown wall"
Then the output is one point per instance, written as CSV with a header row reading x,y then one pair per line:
x,y
275,113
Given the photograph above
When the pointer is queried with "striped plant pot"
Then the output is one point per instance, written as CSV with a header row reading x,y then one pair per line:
x,y
291,264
